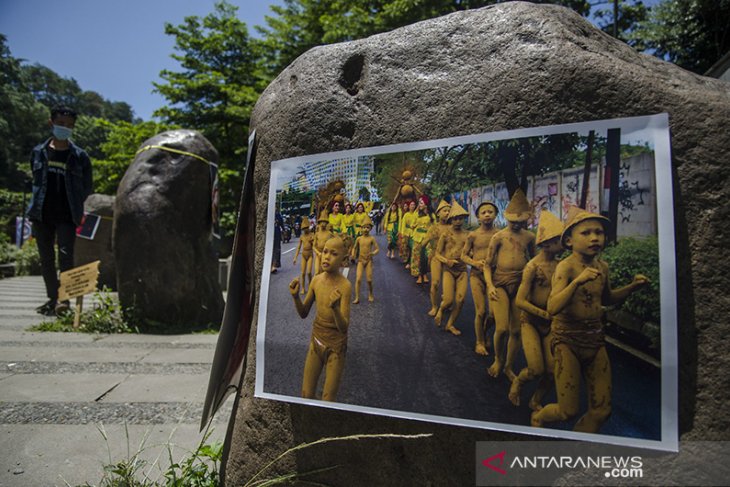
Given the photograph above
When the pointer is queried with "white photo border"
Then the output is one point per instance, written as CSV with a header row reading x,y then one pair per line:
x,y
658,126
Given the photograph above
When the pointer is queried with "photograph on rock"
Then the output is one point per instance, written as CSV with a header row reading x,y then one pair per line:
x,y
521,281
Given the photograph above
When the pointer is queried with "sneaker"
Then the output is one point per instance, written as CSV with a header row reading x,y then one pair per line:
x,y
46,307
61,307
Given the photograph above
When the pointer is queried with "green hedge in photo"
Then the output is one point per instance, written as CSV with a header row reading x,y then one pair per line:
x,y
631,256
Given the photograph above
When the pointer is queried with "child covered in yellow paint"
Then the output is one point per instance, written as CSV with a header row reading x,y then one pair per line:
x,y
449,251
532,298
580,289
366,248
510,249
328,344
476,254
321,235
306,246
434,234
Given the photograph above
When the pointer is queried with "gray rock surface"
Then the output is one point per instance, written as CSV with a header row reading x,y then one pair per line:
x,y
504,67
166,266
86,251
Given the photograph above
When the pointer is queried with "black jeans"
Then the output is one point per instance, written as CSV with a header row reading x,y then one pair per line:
x,y
46,234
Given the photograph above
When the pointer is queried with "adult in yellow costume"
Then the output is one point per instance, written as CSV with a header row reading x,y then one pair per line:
x,y
419,256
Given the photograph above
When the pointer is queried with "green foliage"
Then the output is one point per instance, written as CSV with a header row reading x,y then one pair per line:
x,y
27,260
11,206
693,34
216,89
105,317
90,133
198,469
631,256
22,120
8,251
52,89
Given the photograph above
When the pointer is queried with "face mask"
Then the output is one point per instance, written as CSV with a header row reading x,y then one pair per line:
x,y
61,133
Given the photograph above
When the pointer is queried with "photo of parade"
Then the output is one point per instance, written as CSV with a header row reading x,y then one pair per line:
x,y
505,280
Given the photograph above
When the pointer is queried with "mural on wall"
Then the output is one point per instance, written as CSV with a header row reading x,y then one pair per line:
x,y
636,211
573,185
546,194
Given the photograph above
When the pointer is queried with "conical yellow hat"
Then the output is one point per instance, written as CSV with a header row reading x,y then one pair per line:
x,y
442,204
518,209
576,215
305,222
457,210
323,217
367,222
549,227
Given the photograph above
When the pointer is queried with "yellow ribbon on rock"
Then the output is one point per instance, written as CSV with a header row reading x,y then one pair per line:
x,y
175,151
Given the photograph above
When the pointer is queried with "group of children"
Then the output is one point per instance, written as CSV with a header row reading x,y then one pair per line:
x,y
551,309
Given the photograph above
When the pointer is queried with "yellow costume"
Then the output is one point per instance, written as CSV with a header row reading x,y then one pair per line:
x,y
392,218
335,220
419,256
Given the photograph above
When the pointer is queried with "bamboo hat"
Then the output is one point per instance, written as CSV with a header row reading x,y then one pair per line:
x,y
549,227
577,215
496,210
518,209
457,210
367,222
323,217
443,204
305,222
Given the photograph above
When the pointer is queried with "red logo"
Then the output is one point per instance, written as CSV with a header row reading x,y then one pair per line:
x,y
488,462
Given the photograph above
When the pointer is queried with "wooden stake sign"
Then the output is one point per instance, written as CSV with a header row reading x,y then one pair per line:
x,y
77,282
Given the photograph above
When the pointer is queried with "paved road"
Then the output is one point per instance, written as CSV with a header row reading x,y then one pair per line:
x,y
58,389
398,360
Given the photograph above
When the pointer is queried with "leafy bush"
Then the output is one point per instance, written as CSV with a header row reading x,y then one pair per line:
x,y
8,251
631,256
28,262
105,317
11,205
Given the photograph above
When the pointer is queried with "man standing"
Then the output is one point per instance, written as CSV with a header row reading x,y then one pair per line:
x,y
61,182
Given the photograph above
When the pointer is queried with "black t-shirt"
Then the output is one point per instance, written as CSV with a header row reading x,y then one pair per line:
x,y
55,204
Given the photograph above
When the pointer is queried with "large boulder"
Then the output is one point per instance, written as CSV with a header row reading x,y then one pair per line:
x,y
100,247
503,67
167,269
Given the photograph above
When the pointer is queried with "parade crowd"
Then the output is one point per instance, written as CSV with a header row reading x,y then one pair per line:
x,y
549,308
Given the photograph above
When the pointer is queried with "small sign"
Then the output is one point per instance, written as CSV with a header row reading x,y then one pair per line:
x,y
79,281
89,226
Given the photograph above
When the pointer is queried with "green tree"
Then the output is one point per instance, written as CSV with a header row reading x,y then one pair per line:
x,y
22,120
216,90
91,133
693,34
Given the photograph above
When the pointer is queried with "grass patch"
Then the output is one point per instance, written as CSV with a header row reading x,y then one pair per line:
x,y
105,317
